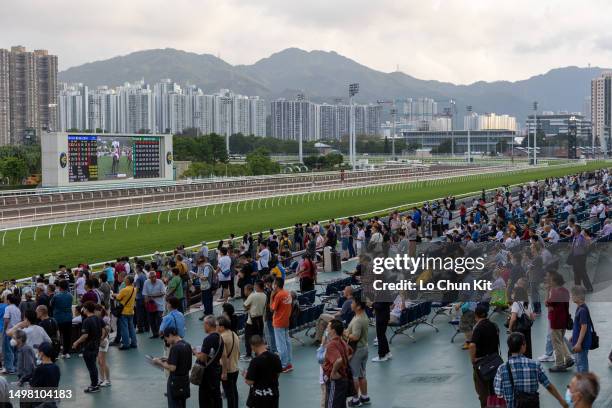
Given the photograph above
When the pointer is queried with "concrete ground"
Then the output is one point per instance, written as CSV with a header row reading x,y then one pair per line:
x,y
430,372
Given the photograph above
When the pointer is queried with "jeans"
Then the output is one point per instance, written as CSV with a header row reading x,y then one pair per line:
x,y
207,302
270,337
142,322
90,356
231,390
8,352
337,393
155,319
128,334
582,361
351,248
283,344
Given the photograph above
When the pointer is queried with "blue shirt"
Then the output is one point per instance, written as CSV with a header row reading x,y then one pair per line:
x,y
140,281
110,274
527,375
62,307
582,317
174,319
2,307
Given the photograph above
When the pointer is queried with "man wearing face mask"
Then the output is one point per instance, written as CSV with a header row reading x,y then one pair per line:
x,y
582,390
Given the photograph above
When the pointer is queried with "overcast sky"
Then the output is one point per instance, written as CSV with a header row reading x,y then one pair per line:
x,y
460,41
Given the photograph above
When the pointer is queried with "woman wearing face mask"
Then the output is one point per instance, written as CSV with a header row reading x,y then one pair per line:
x,y
47,373
582,390
26,358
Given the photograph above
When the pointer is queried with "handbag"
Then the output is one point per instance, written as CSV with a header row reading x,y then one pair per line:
x,y
117,309
594,335
493,401
570,323
321,354
197,371
523,399
487,366
523,323
151,306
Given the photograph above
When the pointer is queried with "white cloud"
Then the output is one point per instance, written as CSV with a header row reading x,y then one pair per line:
x,y
450,40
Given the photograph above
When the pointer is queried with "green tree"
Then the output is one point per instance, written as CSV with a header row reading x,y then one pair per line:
x,y
14,169
259,162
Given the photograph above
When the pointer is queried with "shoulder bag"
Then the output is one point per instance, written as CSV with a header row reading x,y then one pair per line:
x,y
523,399
197,371
117,309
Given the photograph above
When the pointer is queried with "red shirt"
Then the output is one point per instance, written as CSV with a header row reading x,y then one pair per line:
x,y
335,349
558,308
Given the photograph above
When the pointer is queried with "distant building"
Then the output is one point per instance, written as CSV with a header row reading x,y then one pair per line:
x,y
601,109
489,121
575,128
482,141
28,94
321,121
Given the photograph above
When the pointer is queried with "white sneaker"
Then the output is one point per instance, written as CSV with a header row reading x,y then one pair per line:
x,y
378,359
389,356
66,355
105,383
245,358
545,358
376,341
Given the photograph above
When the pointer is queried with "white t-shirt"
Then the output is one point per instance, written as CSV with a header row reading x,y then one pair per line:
x,y
519,309
264,258
36,335
225,264
12,313
80,286
554,236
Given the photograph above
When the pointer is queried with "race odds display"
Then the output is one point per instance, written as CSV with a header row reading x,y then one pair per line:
x,y
99,158
92,158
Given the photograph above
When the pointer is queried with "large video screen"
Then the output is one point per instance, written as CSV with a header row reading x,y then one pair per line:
x,y
100,157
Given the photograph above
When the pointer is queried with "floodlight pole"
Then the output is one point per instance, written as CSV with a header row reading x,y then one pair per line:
x,y
227,101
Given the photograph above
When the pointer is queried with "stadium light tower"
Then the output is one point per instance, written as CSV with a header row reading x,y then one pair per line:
x,y
535,133
469,140
300,98
353,90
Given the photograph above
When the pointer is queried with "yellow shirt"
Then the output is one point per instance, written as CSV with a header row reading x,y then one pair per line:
x,y
127,297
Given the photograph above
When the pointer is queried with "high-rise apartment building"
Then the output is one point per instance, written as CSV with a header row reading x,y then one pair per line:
x,y
28,94
601,109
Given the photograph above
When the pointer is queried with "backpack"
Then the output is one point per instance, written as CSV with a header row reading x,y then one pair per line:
x,y
295,313
213,277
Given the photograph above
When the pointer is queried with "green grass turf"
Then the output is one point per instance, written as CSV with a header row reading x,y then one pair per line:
x,y
105,164
66,247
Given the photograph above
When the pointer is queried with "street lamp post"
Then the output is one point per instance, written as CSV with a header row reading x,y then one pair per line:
x,y
393,114
353,90
469,140
227,102
535,133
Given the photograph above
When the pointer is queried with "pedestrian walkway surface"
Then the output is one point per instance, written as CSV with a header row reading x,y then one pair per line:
x,y
430,372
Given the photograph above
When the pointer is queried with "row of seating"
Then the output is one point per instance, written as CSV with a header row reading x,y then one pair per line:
x,y
411,317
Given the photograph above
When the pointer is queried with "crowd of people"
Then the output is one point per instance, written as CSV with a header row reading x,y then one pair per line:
x,y
78,311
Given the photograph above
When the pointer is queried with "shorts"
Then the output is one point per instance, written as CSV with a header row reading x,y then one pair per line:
x,y
104,346
358,362
225,284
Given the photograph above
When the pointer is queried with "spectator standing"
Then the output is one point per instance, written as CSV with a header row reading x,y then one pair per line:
x,y
582,331
229,361
178,365
281,306
382,311
578,257
485,342
520,377
92,331
558,315
154,291
209,356
262,376
175,288
174,318
61,303
104,380
11,317
26,358
357,334
140,312
335,366
47,373
127,297
521,317
307,273
255,306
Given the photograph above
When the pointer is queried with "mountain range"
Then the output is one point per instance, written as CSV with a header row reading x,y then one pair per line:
x,y
324,76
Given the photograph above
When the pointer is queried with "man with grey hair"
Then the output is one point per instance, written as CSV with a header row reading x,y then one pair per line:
x,y
209,356
583,390
582,332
